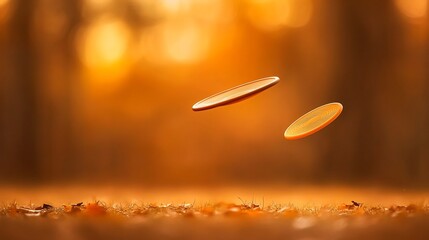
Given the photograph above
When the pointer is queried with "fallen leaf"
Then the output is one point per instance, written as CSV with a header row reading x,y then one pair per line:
x,y
95,209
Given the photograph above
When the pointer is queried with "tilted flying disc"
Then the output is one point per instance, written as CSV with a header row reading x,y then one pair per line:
x,y
313,121
235,94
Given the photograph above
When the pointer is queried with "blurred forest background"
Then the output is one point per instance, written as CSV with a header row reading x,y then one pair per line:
x,y
100,91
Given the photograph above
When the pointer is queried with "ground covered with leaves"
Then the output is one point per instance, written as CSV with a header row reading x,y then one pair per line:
x,y
218,210
222,220
304,213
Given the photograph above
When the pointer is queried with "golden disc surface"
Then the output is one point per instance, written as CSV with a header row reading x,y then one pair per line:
x,y
235,94
313,121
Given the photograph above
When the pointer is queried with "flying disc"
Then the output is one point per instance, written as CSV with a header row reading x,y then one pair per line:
x,y
235,94
313,121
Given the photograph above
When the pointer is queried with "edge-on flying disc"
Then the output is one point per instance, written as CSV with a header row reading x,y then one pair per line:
x,y
236,94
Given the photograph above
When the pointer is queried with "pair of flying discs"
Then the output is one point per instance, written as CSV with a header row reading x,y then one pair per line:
x,y
304,126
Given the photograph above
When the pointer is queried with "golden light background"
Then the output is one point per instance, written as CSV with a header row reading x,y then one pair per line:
x,y
100,91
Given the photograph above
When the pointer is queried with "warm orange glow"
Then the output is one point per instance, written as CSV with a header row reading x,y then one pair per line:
x,y
179,42
102,91
185,43
3,2
186,31
104,43
149,45
4,10
412,8
175,6
219,10
103,48
97,4
274,14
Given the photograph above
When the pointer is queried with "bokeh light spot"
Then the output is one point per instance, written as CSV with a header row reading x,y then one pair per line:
x,y
104,43
274,14
186,32
412,8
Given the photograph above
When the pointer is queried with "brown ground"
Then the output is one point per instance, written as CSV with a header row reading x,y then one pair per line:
x,y
299,213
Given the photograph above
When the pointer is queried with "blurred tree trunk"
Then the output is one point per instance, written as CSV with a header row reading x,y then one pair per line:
x,y
424,144
54,27
366,47
37,140
21,115
383,83
5,76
